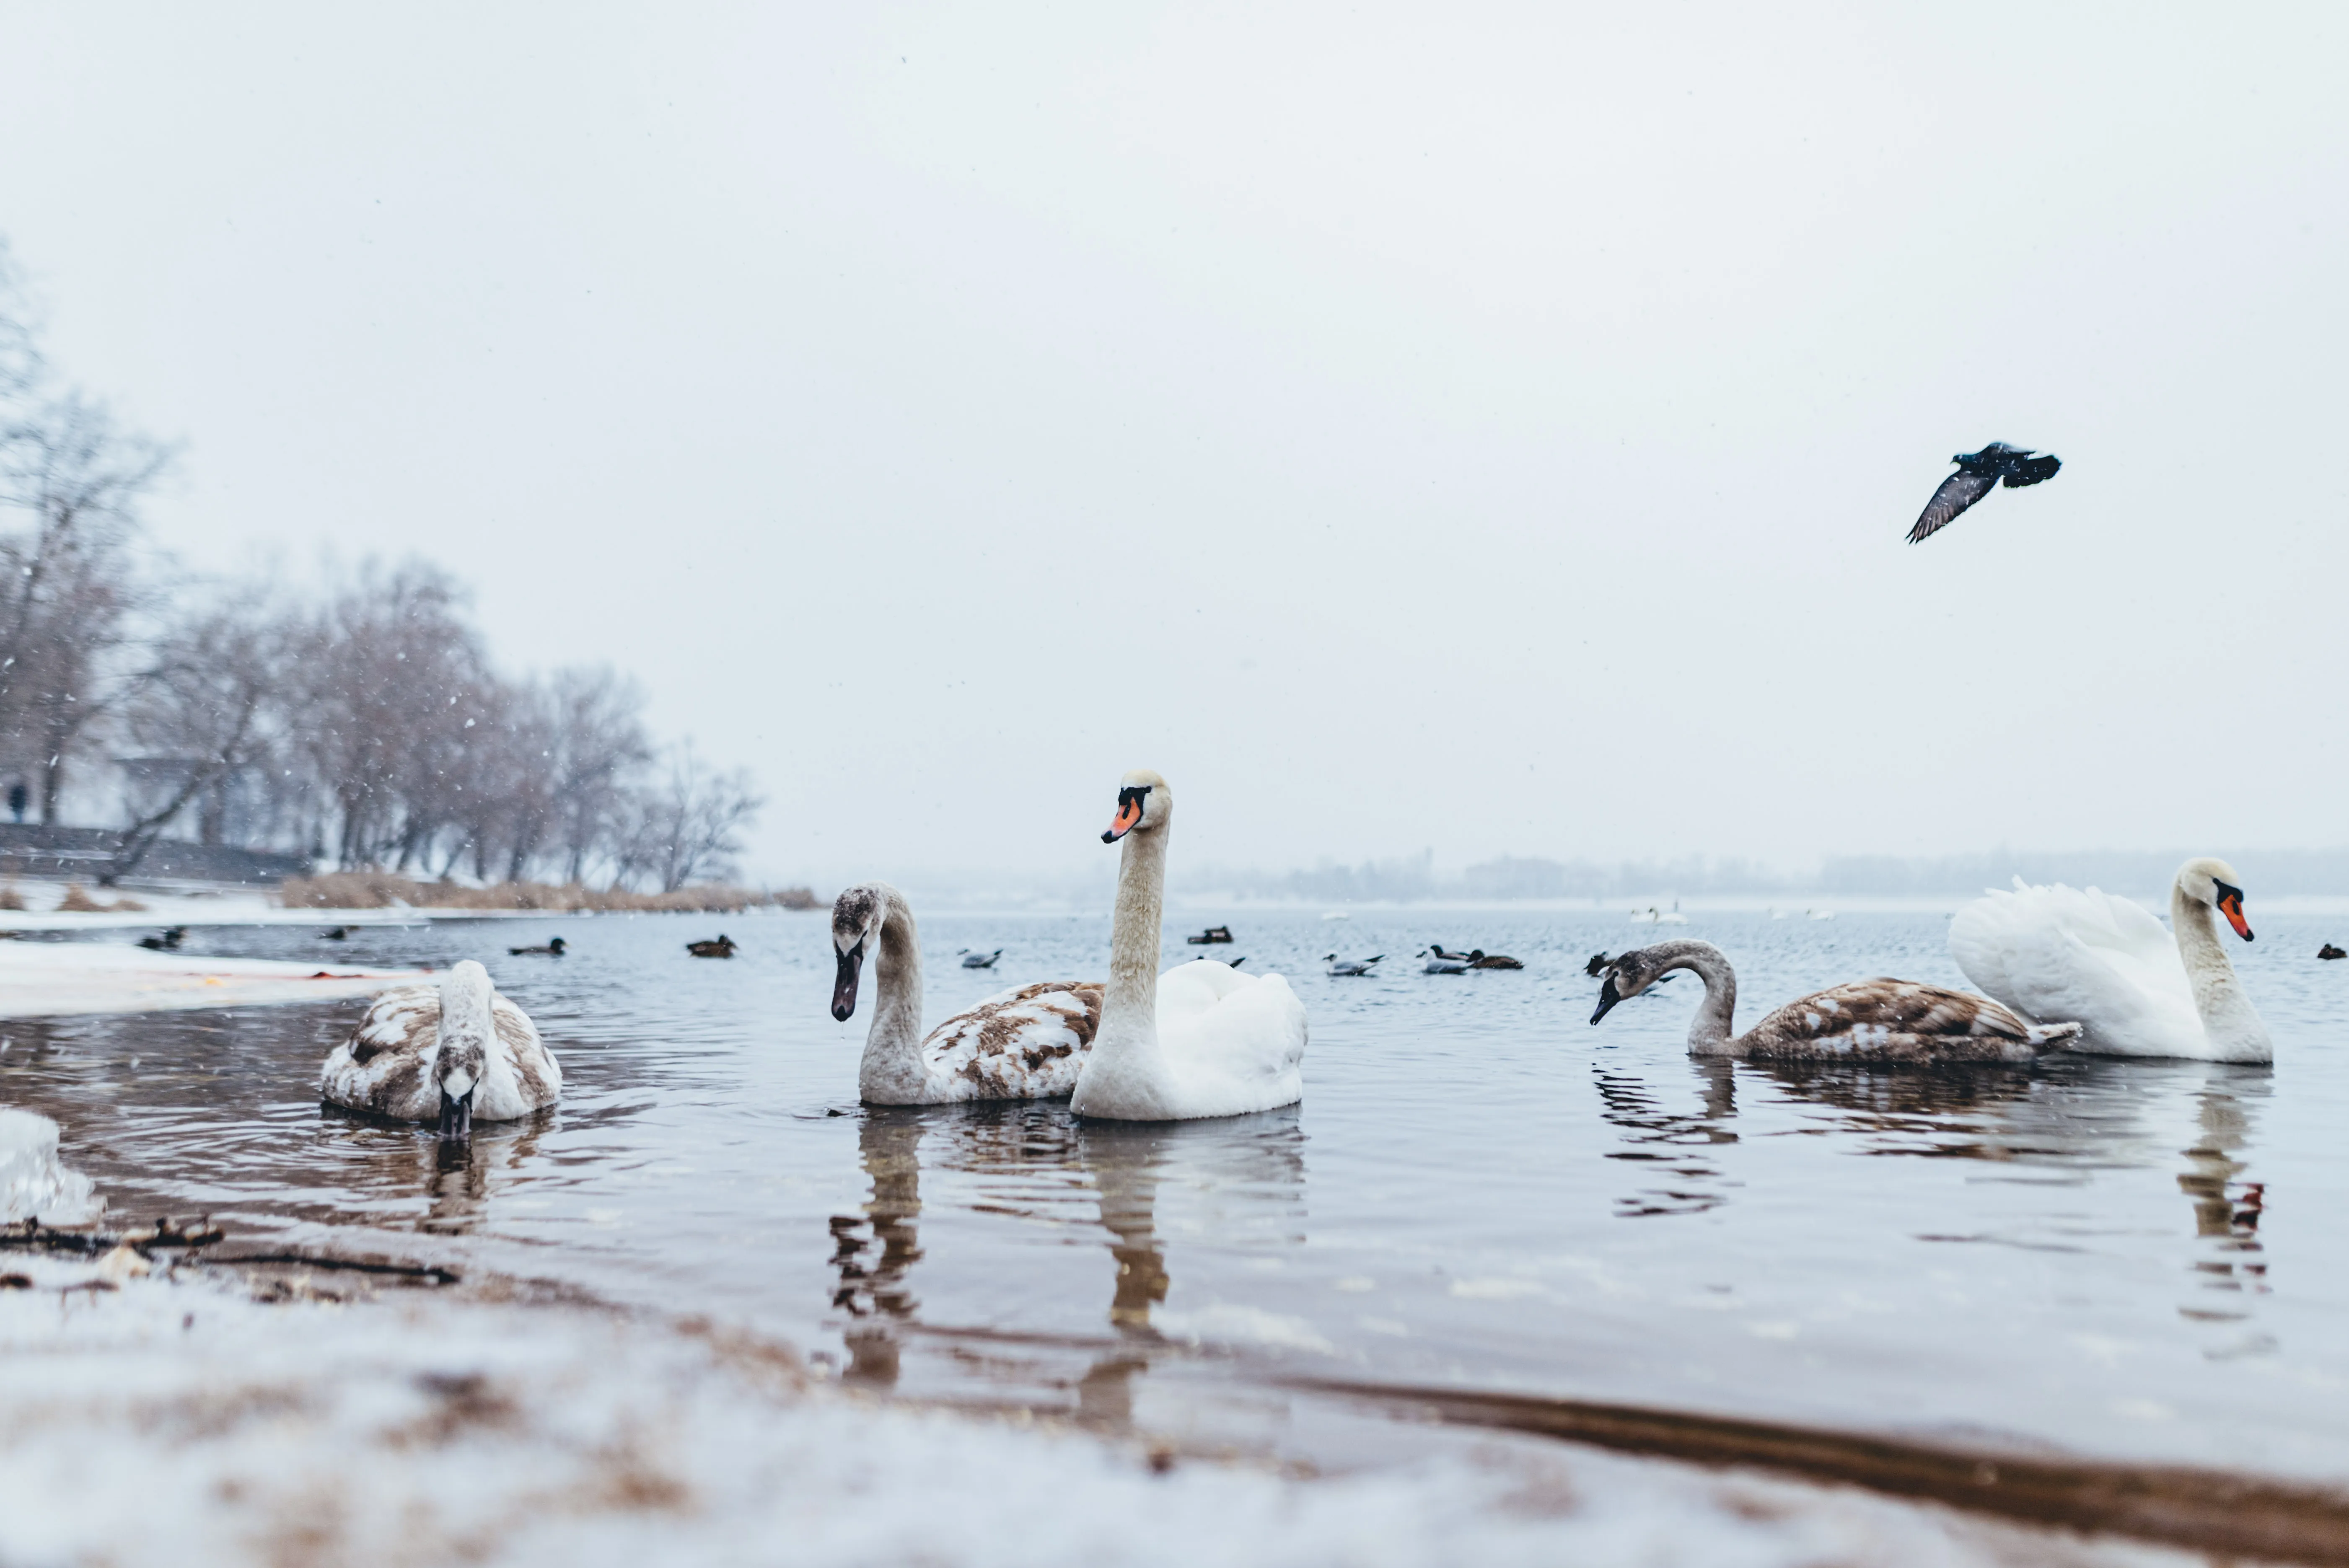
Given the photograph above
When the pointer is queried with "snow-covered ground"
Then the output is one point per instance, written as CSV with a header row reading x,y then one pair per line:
x,y
49,979
188,905
184,1421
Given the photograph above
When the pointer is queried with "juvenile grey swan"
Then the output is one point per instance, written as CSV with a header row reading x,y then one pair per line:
x,y
452,1054
1865,1021
1027,1043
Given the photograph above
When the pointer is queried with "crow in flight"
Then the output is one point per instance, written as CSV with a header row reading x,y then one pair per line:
x,y
1978,474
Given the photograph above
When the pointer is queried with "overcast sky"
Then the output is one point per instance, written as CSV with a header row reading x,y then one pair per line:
x,y
1491,430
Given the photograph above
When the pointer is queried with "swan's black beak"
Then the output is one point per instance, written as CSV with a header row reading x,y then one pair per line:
x,y
843,984
455,1116
1608,997
2230,904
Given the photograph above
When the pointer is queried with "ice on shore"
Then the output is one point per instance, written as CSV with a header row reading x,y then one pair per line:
x,y
189,1423
34,1183
49,979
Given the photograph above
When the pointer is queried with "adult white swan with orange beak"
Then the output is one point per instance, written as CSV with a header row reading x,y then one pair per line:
x,y
2054,953
1202,1039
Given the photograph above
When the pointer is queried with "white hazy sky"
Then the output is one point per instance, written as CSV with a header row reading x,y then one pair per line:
x,y
1490,429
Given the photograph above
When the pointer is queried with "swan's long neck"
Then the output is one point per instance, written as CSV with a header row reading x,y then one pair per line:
x,y
1709,1030
2228,1016
1129,1025
891,1068
467,1027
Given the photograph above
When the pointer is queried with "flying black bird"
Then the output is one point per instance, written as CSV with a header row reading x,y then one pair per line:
x,y
1978,474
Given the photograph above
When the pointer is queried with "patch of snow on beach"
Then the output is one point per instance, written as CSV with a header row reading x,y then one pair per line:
x,y
33,1184
187,1423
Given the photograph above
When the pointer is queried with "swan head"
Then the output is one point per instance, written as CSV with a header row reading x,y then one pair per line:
x,y
1144,805
1625,977
857,916
462,1054
2206,880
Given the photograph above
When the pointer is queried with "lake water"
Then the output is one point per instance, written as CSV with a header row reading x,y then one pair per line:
x,y
2125,1259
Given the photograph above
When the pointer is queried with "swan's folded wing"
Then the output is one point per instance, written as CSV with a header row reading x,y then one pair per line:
x,y
2057,955
1887,1006
538,1075
383,1065
1026,1043
1187,990
1255,1031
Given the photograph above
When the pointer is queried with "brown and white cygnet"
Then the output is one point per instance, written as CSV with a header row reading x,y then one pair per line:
x,y
452,1054
1867,1020
1026,1043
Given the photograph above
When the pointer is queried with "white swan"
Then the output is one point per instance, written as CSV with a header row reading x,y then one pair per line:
x,y
452,1053
1199,1040
2052,952
1026,1043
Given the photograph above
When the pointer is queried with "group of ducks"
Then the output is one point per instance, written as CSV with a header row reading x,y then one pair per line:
x,y
1439,962
2061,970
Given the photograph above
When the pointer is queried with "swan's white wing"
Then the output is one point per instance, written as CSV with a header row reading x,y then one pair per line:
x,y
1189,990
2057,954
1242,1052
1026,1043
384,1065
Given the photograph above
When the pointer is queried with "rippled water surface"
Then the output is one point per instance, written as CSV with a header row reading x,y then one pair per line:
x,y
2124,1258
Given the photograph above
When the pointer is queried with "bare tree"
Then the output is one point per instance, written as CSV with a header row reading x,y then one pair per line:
x,y
69,588
203,714
599,749
686,825
393,676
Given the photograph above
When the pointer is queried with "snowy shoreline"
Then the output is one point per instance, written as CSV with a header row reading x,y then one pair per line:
x,y
208,1415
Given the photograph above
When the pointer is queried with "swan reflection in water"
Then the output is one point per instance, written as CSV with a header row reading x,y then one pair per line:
x,y
1239,1182
2074,1112
456,1178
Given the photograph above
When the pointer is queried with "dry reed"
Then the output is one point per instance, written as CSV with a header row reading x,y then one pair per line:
x,y
383,889
77,901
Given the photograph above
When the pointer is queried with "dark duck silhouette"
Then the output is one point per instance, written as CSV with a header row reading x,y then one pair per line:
x,y
167,943
340,934
554,949
1480,959
1597,966
721,948
1213,933
1978,474
2329,951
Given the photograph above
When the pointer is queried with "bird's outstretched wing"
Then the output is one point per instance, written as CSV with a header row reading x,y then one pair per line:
x,y
2030,470
1958,491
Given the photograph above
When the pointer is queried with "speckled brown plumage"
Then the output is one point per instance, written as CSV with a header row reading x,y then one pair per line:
x,y
1027,1043
385,1066
1880,1020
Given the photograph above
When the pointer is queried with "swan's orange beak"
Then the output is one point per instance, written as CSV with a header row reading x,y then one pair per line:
x,y
2230,904
1129,812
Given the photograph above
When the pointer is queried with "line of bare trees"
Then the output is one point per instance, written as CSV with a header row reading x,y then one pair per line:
x,y
364,724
